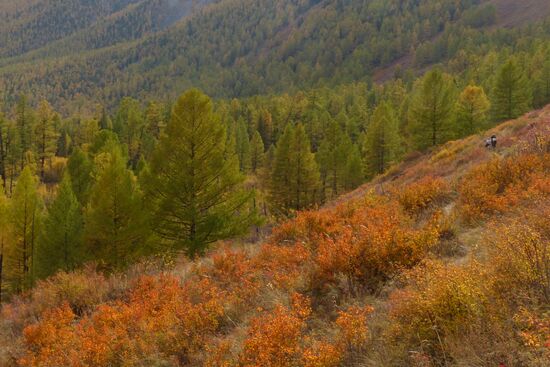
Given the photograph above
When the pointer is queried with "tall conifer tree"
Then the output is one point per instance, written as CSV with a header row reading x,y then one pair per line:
x,y
471,111
4,236
431,110
45,135
382,142
116,224
60,246
512,92
194,184
25,216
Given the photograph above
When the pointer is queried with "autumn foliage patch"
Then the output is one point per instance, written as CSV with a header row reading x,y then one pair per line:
x,y
497,186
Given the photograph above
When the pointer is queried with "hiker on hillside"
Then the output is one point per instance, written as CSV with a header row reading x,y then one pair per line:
x,y
494,141
488,143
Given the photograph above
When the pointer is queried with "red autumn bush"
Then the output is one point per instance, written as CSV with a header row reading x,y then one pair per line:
x,y
282,266
352,325
160,317
497,186
373,244
322,355
274,339
422,194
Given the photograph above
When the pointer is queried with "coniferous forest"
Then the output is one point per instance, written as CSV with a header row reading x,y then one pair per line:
x,y
284,183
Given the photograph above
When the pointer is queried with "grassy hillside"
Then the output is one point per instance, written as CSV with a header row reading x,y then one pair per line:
x,y
235,48
443,261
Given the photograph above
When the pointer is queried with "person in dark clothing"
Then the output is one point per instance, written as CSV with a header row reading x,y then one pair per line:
x,y
494,141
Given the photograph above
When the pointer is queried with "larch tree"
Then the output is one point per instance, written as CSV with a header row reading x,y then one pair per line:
x,y
80,169
3,149
4,235
60,245
130,124
431,110
25,123
280,194
116,227
242,141
194,185
512,92
257,152
25,216
542,81
471,111
382,141
12,151
353,173
304,171
332,154
45,135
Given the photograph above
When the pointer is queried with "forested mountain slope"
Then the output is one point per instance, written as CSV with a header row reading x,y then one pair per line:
x,y
83,24
248,47
441,262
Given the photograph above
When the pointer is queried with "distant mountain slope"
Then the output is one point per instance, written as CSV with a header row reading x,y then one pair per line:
x,y
29,24
512,13
84,24
235,48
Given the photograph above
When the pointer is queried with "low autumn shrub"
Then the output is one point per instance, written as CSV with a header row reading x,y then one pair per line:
x,y
81,290
373,245
352,326
160,317
519,254
274,339
420,195
498,185
322,355
439,301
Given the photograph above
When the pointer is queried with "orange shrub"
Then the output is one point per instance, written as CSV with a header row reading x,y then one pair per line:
x,y
160,317
322,355
420,195
274,338
352,325
373,245
307,228
496,186
53,340
439,301
235,272
534,329
519,254
282,266
82,290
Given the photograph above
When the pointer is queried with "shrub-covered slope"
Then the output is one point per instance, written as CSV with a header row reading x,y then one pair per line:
x,y
445,260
